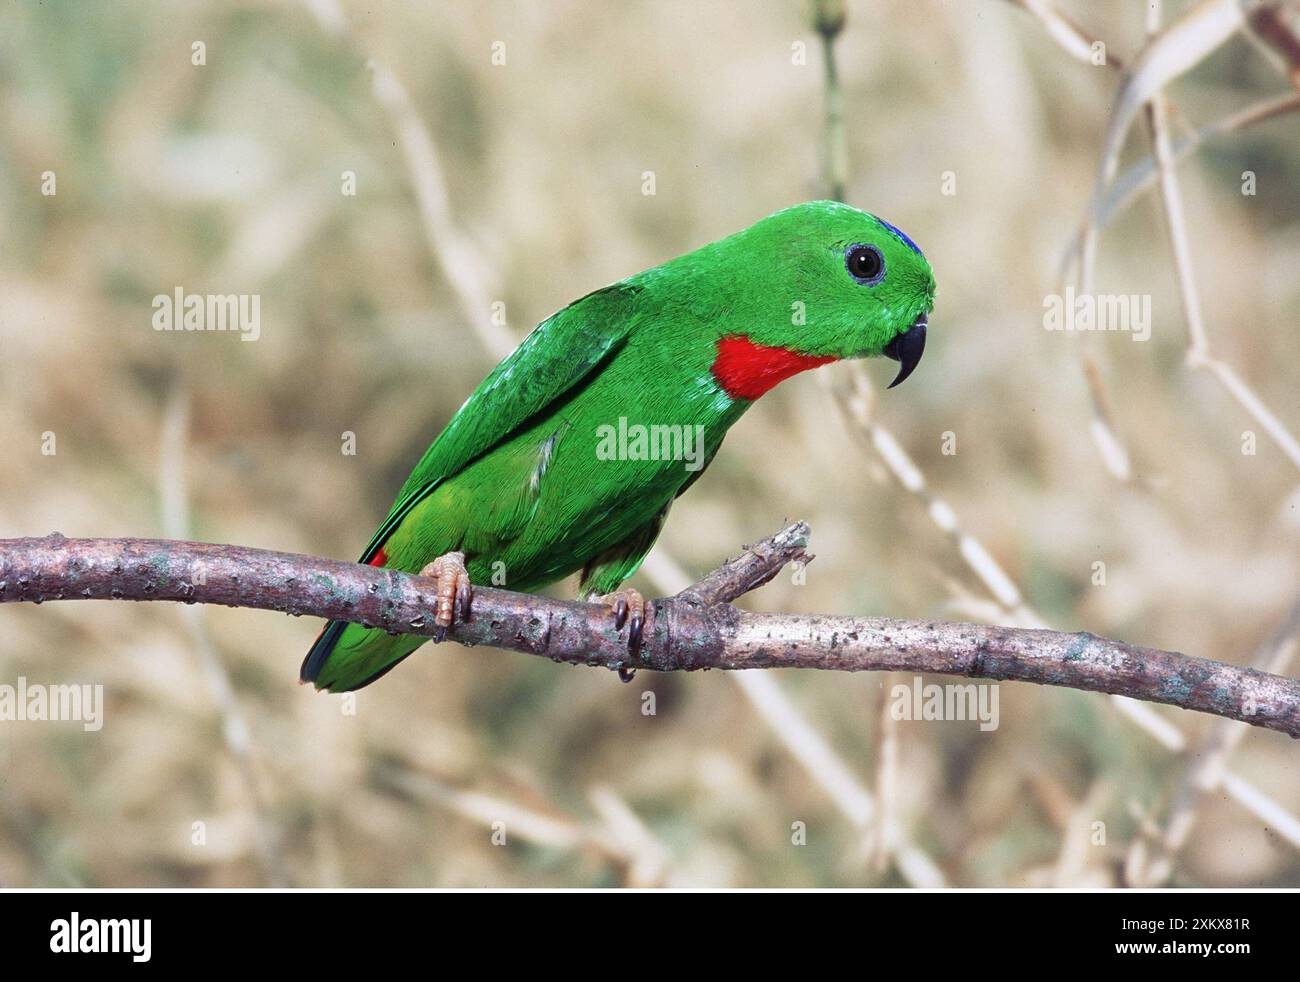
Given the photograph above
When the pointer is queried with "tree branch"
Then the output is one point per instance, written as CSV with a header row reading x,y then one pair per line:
x,y
698,629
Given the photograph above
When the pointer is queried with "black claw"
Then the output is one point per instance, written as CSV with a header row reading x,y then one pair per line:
x,y
626,674
907,348
439,634
634,632
462,600
620,613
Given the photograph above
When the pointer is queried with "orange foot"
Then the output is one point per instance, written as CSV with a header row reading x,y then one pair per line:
x,y
628,607
453,593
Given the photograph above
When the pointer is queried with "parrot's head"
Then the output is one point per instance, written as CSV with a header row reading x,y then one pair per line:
x,y
823,281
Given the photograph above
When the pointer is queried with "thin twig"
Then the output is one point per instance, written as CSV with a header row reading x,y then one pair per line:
x,y
679,635
753,568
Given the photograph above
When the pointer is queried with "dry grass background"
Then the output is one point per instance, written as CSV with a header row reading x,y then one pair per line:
x,y
226,178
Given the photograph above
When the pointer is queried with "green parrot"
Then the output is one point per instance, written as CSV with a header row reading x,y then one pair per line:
x,y
568,456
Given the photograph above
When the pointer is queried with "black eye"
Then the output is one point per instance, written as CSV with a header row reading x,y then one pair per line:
x,y
865,264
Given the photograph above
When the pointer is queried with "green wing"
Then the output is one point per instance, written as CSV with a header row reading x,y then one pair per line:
x,y
555,358
553,361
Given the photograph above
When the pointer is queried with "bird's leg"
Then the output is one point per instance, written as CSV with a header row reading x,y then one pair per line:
x,y
453,593
628,607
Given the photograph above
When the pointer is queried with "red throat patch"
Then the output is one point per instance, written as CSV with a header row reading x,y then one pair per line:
x,y
746,370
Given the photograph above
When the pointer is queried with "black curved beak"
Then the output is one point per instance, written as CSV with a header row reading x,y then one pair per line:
x,y
907,348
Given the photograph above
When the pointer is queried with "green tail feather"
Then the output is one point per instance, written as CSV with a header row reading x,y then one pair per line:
x,y
348,656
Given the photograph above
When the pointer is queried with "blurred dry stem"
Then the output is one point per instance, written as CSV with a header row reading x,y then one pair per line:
x,y
1170,52
462,267
618,836
1202,30
1277,25
1065,32
1150,860
1124,190
235,732
828,19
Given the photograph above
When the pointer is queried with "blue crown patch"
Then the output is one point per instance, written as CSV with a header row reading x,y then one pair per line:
x,y
902,235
